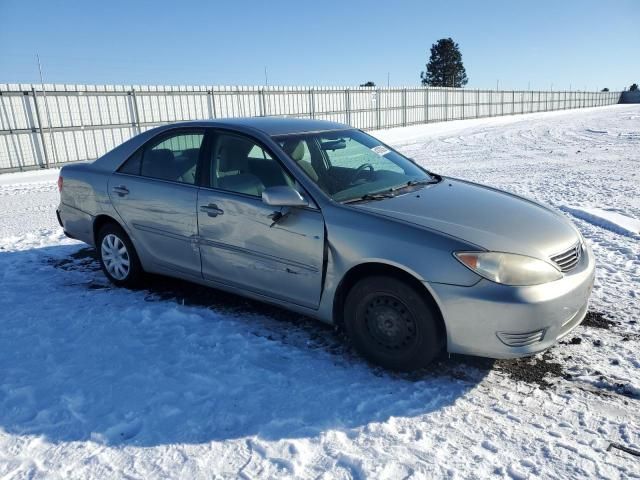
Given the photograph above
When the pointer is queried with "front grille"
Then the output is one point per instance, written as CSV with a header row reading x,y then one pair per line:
x,y
521,339
569,259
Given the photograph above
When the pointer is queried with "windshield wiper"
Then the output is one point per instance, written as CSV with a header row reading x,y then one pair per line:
x,y
391,192
426,181
370,196
413,183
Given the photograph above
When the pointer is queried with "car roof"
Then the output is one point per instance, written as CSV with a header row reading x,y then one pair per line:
x,y
272,126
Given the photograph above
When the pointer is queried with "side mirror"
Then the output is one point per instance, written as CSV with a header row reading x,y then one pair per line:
x,y
283,196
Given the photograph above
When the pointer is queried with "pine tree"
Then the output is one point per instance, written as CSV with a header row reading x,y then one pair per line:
x,y
633,87
445,68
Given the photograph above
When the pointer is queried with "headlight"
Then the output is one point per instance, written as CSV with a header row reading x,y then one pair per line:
x,y
509,268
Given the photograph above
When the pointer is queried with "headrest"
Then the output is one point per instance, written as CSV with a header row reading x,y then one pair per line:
x,y
161,155
192,154
295,149
232,154
160,163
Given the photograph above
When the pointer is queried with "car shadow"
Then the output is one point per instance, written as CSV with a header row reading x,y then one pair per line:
x,y
176,362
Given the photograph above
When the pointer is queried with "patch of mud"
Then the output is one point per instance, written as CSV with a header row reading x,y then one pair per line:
x,y
535,370
605,384
608,389
84,259
597,320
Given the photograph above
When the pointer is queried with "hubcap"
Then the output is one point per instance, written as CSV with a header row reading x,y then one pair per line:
x,y
389,322
115,257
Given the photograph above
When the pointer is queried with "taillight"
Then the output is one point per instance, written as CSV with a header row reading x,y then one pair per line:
x,y
60,182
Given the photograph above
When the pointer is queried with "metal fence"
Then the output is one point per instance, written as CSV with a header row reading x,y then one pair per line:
x,y
50,125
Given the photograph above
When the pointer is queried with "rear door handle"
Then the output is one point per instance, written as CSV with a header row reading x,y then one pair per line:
x,y
120,190
212,210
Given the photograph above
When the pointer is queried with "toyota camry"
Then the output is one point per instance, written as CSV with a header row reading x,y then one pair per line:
x,y
323,219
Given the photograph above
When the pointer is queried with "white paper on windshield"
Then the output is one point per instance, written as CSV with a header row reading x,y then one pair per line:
x,y
380,150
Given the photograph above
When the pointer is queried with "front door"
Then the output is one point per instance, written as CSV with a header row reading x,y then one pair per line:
x,y
240,245
155,193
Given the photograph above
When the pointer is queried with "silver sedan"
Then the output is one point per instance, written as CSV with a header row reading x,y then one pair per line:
x,y
325,220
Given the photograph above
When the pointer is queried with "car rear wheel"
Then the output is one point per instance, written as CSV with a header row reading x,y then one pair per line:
x,y
392,324
118,257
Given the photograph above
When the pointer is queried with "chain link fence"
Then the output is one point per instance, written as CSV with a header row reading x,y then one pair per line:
x,y
44,126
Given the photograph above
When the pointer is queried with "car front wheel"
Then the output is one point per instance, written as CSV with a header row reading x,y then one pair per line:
x,y
118,258
392,324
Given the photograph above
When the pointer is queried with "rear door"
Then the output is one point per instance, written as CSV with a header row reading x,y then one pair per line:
x,y
155,193
240,244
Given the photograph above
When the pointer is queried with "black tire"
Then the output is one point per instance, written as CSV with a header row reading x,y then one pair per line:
x,y
134,272
392,324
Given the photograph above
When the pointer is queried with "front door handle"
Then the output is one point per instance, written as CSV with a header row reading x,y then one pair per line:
x,y
120,190
212,210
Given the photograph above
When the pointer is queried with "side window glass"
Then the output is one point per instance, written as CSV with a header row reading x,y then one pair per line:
x,y
240,165
133,164
258,153
174,158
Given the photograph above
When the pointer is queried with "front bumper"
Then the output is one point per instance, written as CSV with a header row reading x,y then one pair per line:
x,y
499,321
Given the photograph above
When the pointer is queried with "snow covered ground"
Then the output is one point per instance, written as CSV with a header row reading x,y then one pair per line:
x,y
180,381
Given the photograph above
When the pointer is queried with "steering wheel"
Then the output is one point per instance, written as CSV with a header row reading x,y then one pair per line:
x,y
359,170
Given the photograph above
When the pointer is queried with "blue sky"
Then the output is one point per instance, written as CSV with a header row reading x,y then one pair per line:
x,y
586,44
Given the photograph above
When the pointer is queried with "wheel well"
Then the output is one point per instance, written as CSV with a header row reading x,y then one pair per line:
x,y
99,222
369,269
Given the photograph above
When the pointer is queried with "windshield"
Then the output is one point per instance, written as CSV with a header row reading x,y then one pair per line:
x,y
350,165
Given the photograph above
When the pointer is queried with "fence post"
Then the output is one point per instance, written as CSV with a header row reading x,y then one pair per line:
x,y
462,90
347,106
42,140
378,102
213,103
20,159
404,107
426,104
261,101
531,102
136,114
209,102
446,104
312,103
546,101
477,103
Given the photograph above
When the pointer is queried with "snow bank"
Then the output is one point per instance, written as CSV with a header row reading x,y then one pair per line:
x,y
611,220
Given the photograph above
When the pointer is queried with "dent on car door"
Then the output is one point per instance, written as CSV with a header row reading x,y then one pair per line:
x,y
240,243
155,193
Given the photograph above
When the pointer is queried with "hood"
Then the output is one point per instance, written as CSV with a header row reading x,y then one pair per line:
x,y
489,218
